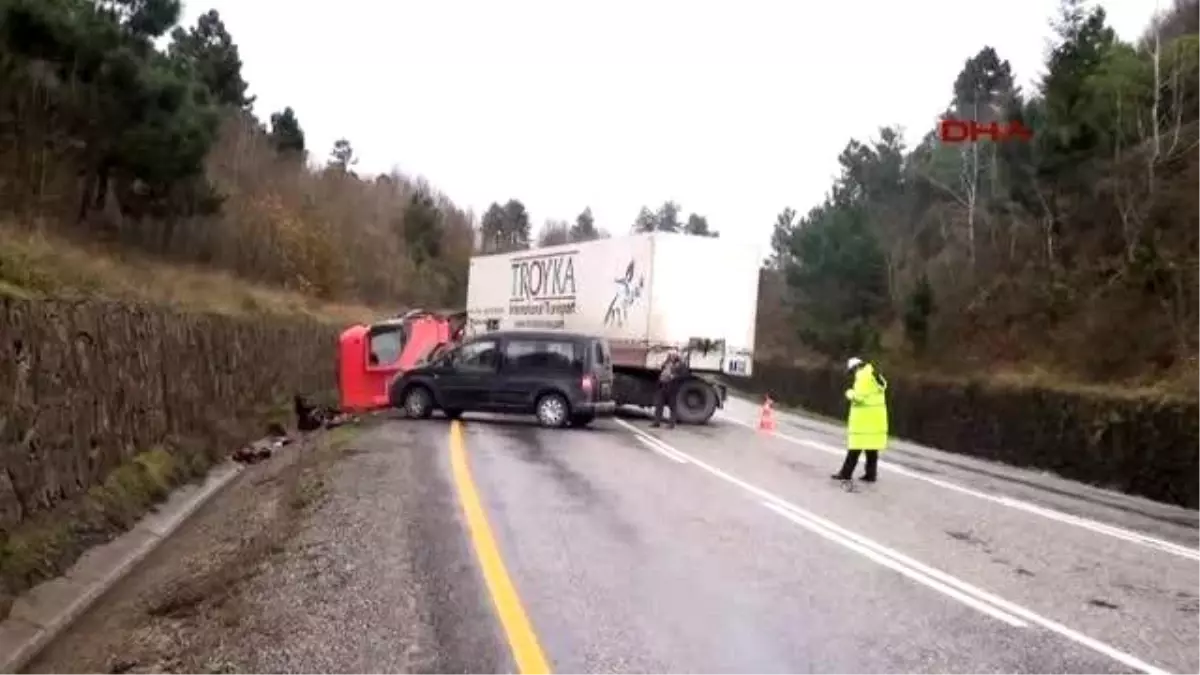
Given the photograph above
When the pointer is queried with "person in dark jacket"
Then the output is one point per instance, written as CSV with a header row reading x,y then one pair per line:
x,y
673,369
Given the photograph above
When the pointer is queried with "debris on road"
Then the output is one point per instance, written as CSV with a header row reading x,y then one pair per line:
x,y
310,416
260,449
337,419
277,438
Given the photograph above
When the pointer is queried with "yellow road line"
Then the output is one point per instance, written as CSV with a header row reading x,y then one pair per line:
x,y
521,638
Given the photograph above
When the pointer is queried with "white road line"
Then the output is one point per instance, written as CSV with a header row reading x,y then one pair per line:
x,y
999,606
1051,514
664,451
892,564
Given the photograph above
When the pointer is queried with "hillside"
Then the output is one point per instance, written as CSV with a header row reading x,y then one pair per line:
x,y
105,138
137,172
39,264
1071,257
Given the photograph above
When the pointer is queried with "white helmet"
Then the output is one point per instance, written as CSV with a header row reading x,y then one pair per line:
x,y
853,363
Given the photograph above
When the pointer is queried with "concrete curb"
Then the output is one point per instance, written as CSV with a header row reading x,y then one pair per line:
x,y
45,611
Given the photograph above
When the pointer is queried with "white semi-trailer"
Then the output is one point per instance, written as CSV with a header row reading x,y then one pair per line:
x,y
645,293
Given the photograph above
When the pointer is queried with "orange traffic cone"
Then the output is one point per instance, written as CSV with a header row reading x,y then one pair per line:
x,y
766,416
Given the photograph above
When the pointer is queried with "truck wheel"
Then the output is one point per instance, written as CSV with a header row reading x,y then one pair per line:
x,y
695,402
553,411
418,403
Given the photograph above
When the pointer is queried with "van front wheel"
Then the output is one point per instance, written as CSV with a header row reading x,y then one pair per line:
x,y
418,403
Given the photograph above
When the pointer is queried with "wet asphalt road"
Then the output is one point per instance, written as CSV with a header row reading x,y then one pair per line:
x,y
633,557
726,550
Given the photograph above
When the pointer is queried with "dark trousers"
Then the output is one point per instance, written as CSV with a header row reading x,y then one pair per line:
x,y
847,471
664,398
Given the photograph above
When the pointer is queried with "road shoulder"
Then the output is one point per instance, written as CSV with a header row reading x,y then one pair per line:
x,y
344,556
45,611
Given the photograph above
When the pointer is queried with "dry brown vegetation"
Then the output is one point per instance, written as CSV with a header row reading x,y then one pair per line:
x,y
387,241
325,234
41,263
106,137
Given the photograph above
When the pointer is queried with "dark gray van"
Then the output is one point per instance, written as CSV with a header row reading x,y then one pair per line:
x,y
561,378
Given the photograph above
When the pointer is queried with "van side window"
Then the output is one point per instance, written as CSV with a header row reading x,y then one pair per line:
x,y
542,355
482,355
385,346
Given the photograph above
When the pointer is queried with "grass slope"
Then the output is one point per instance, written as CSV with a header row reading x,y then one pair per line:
x,y
36,264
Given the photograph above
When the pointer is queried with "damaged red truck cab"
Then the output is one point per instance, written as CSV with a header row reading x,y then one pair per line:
x,y
371,355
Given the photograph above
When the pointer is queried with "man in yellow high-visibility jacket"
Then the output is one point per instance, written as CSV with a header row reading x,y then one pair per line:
x,y
867,424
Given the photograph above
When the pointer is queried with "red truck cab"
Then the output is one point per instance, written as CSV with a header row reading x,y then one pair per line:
x,y
370,356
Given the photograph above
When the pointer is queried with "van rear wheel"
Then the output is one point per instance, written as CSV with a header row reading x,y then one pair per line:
x,y
695,401
553,411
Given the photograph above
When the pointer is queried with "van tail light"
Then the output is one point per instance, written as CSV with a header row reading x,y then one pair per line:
x,y
589,385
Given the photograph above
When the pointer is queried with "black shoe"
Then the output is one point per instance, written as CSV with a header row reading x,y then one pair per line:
x,y
868,479
655,425
838,476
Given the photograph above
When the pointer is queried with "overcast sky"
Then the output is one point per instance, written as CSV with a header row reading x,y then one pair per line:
x,y
733,109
